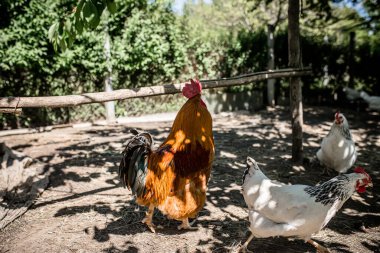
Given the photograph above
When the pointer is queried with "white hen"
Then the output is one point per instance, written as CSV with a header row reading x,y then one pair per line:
x,y
276,209
373,101
351,94
338,150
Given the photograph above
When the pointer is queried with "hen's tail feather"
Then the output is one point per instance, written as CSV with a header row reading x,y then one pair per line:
x,y
133,167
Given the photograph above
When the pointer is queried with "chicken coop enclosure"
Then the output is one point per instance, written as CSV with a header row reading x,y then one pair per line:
x,y
212,171
86,206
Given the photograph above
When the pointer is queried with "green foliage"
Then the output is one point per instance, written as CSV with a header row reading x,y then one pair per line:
x,y
159,104
151,45
151,49
85,15
29,65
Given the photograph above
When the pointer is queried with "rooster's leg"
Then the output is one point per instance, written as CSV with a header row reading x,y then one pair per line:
x,y
245,245
148,218
195,219
186,225
319,247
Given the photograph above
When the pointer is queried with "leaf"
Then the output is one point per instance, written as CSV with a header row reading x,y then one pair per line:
x,y
79,8
95,22
90,13
53,31
62,44
100,5
79,25
111,6
55,46
68,25
60,28
71,38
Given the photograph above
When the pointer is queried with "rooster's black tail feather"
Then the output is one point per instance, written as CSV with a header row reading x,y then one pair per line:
x,y
133,167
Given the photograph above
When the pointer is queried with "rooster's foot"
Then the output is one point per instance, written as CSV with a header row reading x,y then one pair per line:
x,y
193,221
186,225
148,219
323,250
244,249
150,224
320,248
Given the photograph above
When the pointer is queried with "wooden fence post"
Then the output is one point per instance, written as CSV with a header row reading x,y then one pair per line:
x,y
295,82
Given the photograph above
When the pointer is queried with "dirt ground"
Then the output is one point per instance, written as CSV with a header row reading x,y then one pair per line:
x,y
85,209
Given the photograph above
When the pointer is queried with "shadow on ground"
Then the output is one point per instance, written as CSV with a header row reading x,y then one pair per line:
x,y
266,137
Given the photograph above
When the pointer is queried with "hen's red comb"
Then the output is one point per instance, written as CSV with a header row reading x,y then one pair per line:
x,y
362,171
337,114
359,170
192,89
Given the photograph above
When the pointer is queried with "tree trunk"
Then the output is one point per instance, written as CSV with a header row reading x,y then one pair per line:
x,y
295,83
110,106
270,82
351,60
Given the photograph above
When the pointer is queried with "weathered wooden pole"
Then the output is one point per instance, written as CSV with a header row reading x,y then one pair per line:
x,y
270,82
101,97
110,105
294,53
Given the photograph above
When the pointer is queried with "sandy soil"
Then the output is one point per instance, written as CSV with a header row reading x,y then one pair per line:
x,y
85,209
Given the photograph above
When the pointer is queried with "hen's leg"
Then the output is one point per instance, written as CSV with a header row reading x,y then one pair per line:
x,y
185,225
319,247
148,218
245,245
325,171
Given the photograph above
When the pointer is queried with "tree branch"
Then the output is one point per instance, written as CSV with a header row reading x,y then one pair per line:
x,y
11,110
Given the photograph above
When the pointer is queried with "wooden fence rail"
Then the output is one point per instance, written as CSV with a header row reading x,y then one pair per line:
x,y
12,104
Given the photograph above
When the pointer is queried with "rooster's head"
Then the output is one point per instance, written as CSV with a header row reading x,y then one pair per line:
x,y
192,89
364,181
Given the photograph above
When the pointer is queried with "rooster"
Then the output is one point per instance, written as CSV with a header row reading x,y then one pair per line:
x,y
277,209
174,177
338,150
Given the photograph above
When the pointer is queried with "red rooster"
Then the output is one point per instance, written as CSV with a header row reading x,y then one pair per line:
x,y
173,178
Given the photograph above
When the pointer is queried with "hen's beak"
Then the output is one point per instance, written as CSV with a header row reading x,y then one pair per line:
x,y
368,182
337,121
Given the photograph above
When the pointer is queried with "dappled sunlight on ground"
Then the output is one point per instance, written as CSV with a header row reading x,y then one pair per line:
x,y
85,208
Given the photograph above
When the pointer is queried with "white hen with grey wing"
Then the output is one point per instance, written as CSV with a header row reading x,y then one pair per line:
x,y
276,209
338,150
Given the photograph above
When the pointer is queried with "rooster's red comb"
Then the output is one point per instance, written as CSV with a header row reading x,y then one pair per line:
x,y
192,89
